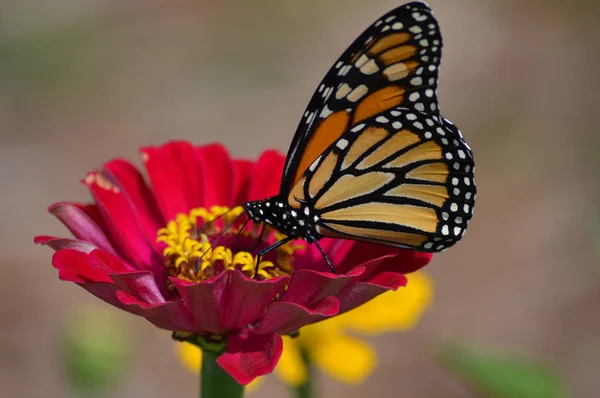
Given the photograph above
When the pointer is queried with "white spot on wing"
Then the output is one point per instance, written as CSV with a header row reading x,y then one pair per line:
x,y
342,144
396,71
357,128
342,91
325,112
363,59
419,17
369,68
357,93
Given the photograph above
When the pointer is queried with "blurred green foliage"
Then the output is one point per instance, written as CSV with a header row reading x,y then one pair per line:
x,y
49,63
97,350
502,376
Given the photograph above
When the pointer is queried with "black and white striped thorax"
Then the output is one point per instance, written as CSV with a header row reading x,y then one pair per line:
x,y
294,223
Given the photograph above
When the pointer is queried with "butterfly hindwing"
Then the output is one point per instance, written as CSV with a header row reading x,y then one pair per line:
x,y
394,63
402,178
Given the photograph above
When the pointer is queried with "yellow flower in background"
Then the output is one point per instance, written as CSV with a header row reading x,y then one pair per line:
x,y
333,345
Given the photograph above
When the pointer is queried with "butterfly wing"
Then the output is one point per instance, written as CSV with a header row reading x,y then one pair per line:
x,y
394,63
402,178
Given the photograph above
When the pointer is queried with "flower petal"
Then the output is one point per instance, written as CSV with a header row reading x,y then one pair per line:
x,y
74,266
121,220
190,356
141,200
308,287
345,358
407,261
77,263
81,225
229,300
392,311
176,177
312,259
361,254
141,284
106,292
169,315
251,355
267,175
291,368
64,243
242,173
218,175
285,317
359,293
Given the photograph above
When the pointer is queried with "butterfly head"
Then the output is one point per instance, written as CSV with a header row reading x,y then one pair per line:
x,y
281,216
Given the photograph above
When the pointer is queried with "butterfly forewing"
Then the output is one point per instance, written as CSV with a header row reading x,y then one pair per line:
x,y
394,63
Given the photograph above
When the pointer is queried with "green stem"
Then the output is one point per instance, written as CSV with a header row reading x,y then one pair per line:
x,y
215,382
306,390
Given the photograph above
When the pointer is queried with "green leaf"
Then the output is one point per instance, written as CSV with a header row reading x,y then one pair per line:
x,y
96,350
502,376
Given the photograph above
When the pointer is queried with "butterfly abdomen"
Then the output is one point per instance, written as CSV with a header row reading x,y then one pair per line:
x,y
295,223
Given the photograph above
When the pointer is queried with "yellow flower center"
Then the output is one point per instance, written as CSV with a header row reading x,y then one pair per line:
x,y
191,255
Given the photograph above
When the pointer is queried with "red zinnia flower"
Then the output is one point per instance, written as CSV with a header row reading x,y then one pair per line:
x,y
137,248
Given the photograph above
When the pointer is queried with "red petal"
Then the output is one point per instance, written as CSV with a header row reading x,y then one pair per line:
x,y
81,225
266,177
308,287
407,261
397,260
379,281
93,212
358,294
336,249
76,263
142,202
63,243
243,170
229,300
142,284
251,355
361,254
169,315
106,292
122,222
284,317
218,175
176,177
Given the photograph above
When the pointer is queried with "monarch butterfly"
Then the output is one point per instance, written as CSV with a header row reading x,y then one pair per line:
x,y
372,158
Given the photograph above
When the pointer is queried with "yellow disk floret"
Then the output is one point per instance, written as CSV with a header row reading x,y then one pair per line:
x,y
191,256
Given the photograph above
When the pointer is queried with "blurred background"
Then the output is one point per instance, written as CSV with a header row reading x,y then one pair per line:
x,y
82,82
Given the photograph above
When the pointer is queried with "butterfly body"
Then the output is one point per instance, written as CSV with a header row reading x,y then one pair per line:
x,y
373,159
294,223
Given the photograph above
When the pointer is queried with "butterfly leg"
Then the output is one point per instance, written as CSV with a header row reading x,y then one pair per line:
x,y
313,240
264,251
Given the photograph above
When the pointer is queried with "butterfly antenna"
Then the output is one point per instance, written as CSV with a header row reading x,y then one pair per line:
x,y
217,239
262,232
199,229
236,246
